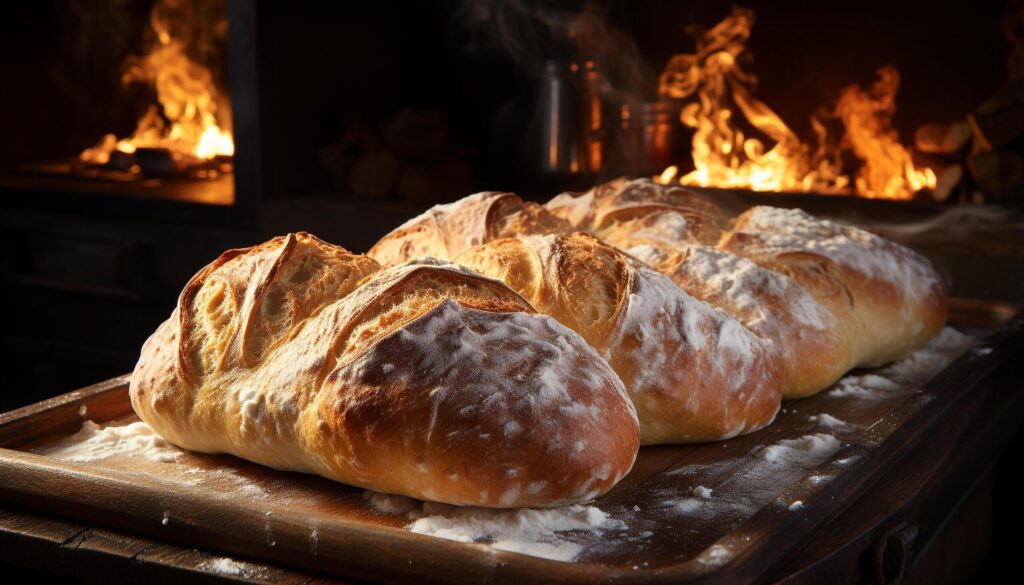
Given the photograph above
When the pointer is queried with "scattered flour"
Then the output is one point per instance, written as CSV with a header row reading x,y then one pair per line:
x,y
829,421
781,231
226,566
555,533
742,485
95,442
924,363
808,450
909,373
716,555
238,483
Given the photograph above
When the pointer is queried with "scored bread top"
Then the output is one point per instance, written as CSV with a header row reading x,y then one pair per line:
x,y
889,298
642,208
234,310
445,231
694,373
800,331
301,356
772,231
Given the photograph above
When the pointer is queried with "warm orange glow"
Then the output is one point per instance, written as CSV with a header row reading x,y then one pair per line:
x,y
668,175
721,95
889,171
192,119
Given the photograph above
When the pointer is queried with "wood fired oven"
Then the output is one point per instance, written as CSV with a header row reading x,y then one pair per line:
x,y
143,138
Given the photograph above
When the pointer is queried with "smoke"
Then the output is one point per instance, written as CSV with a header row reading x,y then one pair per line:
x,y
529,33
573,62
965,221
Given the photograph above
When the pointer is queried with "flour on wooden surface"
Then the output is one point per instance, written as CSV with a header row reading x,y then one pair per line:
x,y
707,497
808,450
830,422
553,533
95,442
231,567
702,492
909,373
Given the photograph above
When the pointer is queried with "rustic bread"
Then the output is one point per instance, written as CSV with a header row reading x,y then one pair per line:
x,y
888,300
801,333
445,231
424,380
826,297
654,213
694,373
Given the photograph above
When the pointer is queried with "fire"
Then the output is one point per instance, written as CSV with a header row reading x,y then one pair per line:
x,y
192,119
889,171
719,88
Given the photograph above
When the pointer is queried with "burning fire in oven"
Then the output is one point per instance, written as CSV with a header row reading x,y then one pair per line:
x,y
721,105
192,122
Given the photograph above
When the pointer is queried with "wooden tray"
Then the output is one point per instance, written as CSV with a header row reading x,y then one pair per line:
x,y
747,527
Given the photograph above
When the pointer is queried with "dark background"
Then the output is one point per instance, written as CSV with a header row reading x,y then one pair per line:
x,y
87,276
321,67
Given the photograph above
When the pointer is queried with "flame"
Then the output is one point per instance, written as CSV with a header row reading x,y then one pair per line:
x,y
714,80
192,119
888,171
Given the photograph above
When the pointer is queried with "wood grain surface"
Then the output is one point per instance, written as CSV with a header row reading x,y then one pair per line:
x,y
227,504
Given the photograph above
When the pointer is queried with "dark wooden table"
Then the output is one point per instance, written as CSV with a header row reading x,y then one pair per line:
x,y
931,519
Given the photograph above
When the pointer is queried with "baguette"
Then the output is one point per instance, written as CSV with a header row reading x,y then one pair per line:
x,y
694,373
826,297
888,300
424,380
801,333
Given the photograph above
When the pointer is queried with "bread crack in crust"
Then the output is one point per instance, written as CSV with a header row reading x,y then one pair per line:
x,y
445,231
826,297
694,373
425,379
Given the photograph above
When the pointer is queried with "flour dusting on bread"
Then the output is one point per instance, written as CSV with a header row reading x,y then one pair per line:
x,y
789,230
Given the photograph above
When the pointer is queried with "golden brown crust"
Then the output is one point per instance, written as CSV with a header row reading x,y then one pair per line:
x,y
301,356
801,333
693,373
445,231
642,210
881,301
887,299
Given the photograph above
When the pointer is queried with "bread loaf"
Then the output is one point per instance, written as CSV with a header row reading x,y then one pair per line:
x,y
888,300
445,231
651,214
694,373
424,380
800,332
826,297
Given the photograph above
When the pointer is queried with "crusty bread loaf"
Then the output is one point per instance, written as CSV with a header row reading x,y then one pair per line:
x,y
888,300
798,282
694,373
800,332
649,213
445,231
424,380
